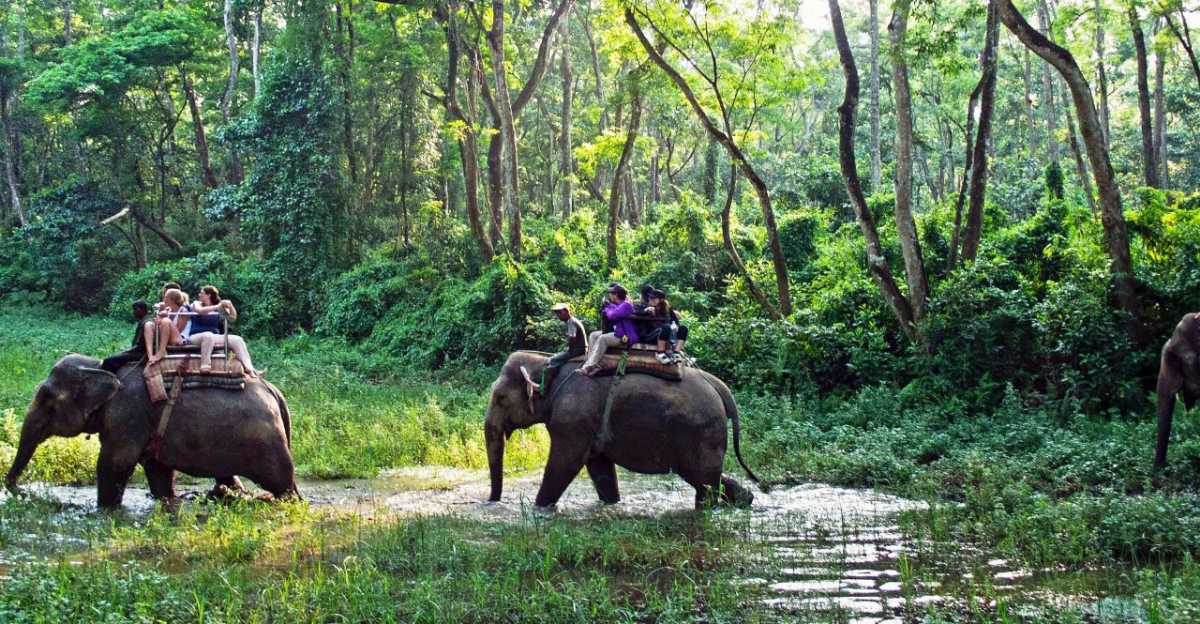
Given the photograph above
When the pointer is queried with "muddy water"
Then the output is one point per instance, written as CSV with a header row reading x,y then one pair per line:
x,y
832,553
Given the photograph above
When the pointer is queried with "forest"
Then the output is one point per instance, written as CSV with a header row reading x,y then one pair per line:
x,y
934,247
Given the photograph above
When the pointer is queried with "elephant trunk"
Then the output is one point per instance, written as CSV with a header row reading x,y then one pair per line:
x,y
494,436
31,436
1166,411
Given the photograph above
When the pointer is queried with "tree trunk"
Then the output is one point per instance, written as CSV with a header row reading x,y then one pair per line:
x,y
1112,216
906,227
67,10
1101,77
207,177
876,261
709,181
968,157
467,144
343,46
1149,155
256,48
737,156
614,195
1085,179
731,250
876,164
979,167
1160,118
1030,119
1049,113
12,156
566,158
231,46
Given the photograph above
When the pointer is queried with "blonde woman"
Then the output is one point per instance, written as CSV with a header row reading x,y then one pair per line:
x,y
167,327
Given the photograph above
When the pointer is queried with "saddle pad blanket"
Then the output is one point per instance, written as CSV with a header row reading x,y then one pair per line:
x,y
191,382
640,361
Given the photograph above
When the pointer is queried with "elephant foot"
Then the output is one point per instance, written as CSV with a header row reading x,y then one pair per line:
x,y
734,494
222,492
546,510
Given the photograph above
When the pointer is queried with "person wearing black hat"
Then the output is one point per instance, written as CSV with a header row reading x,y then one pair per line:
x,y
137,351
577,344
671,335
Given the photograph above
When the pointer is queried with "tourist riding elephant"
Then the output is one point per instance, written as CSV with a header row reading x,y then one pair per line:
x,y
657,426
1178,373
212,432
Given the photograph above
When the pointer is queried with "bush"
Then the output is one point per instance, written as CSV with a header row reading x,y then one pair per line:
x,y
240,281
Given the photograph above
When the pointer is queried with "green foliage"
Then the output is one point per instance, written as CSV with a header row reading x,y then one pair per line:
x,y
101,69
293,199
63,255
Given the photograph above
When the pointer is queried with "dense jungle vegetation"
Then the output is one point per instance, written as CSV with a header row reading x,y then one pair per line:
x,y
933,246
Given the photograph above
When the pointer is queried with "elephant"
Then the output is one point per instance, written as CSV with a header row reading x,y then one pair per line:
x,y
1177,374
212,432
657,426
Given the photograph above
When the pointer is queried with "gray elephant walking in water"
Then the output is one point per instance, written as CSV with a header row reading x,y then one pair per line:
x,y
213,432
658,426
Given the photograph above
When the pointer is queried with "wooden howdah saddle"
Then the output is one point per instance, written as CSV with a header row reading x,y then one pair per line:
x,y
641,359
182,366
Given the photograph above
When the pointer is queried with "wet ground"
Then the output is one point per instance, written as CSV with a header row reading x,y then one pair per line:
x,y
833,554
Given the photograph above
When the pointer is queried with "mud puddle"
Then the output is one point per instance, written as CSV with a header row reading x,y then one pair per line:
x,y
829,553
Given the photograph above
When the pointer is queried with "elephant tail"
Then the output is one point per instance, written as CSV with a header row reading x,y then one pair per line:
x,y
731,410
284,413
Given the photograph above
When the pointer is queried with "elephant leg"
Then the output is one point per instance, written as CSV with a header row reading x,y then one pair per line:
x,y
161,479
278,476
604,476
707,484
733,493
566,460
113,469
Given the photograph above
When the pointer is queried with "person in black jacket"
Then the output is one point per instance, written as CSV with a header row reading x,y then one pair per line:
x,y
137,351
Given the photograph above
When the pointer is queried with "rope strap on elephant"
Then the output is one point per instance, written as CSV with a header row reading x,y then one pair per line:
x,y
154,447
604,436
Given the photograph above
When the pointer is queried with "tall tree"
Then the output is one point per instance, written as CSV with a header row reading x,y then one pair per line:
x,y
618,181
876,162
876,260
979,163
1160,113
1049,110
906,225
1112,215
724,135
1101,77
566,158
1149,155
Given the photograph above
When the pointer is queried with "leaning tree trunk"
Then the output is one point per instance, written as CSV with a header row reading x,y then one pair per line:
x,y
1185,39
614,196
979,171
731,249
1112,215
876,261
906,226
1149,155
737,156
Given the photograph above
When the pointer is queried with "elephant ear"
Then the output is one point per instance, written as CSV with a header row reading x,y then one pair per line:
x,y
530,387
95,387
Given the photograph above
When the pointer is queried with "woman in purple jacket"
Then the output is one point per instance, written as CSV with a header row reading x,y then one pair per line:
x,y
618,311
